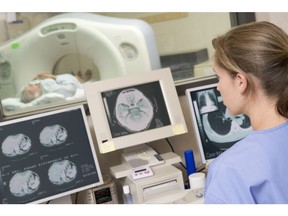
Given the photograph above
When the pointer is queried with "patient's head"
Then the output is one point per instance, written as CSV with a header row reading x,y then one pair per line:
x,y
30,92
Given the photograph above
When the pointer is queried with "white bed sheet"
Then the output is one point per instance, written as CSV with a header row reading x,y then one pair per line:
x,y
13,104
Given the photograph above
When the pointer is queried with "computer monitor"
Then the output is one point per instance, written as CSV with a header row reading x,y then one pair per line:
x,y
134,109
215,129
46,156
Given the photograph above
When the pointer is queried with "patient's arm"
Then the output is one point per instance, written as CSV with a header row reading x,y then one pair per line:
x,y
45,76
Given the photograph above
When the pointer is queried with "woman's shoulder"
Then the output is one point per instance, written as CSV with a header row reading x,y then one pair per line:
x,y
235,155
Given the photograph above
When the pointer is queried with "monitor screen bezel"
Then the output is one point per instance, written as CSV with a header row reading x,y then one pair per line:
x,y
92,149
106,142
193,112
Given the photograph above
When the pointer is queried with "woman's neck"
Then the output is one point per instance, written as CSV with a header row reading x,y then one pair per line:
x,y
266,120
263,114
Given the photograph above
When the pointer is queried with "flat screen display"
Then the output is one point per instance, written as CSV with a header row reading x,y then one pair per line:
x,y
215,129
136,109
46,156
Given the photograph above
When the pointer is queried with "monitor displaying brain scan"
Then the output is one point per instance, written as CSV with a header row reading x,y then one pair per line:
x,y
46,156
135,109
215,129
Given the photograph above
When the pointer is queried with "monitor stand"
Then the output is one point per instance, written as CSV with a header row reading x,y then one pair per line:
x,y
141,155
125,168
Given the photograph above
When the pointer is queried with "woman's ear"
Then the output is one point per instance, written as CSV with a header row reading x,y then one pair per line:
x,y
241,82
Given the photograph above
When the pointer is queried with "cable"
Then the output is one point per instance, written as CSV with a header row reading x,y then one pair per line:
x,y
170,145
76,198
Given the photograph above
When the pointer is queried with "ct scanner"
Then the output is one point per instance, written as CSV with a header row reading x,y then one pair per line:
x,y
116,46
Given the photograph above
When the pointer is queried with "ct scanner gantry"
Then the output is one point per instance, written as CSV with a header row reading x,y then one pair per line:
x,y
116,46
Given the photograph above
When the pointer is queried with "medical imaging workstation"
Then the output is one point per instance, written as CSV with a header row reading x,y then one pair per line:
x,y
87,134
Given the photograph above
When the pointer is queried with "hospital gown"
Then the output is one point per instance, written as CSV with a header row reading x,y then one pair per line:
x,y
64,84
254,170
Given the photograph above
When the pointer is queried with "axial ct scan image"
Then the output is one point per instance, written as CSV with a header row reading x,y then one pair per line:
x,y
24,183
134,110
62,172
53,135
44,157
233,127
221,128
15,145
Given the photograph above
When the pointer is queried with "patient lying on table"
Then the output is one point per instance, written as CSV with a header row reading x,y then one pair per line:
x,y
64,84
46,88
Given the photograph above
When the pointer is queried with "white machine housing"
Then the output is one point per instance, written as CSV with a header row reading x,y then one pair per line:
x,y
117,47
166,179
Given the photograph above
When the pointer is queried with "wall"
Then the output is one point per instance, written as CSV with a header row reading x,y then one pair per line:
x,y
190,31
279,19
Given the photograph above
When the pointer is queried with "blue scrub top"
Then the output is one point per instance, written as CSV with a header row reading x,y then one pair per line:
x,y
254,170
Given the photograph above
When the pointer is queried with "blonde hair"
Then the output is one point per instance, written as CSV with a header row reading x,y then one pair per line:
x,y
258,49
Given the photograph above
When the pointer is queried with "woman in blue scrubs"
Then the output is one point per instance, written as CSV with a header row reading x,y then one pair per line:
x,y
251,62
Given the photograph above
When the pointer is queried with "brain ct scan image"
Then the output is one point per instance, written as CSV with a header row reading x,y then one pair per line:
x,y
62,172
53,135
133,110
24,183
15,145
